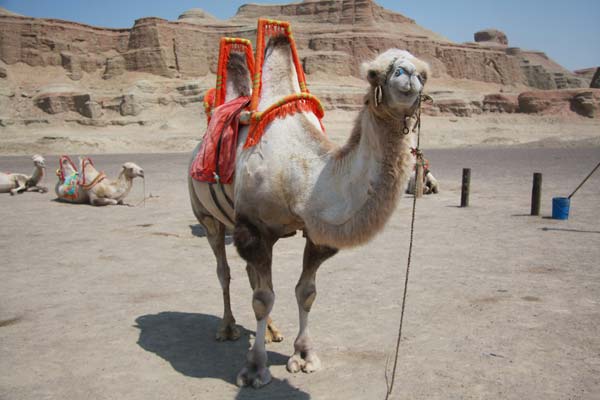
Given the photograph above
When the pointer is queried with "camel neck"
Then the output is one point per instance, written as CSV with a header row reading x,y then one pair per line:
x,y
123,183
38,174
364,180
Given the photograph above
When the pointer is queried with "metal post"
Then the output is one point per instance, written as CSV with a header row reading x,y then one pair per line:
x,y
536,193
466,183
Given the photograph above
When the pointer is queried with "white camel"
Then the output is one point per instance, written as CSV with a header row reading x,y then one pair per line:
x,y
19,183
430,183
102,191
87,184
296,179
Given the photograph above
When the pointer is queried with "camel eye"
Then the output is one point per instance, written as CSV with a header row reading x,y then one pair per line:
x,y
399,71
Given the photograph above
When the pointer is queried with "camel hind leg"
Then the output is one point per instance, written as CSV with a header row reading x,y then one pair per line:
x,y
215,233
305,357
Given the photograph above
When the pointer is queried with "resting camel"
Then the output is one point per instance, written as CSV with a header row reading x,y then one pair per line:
x,y
19,183
90,185
430,184
102,191
296,179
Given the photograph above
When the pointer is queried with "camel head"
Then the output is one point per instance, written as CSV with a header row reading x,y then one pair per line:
x,y
397,80
39,161
132,170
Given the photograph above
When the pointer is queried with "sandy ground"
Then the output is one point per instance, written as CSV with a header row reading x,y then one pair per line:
x,y
123,302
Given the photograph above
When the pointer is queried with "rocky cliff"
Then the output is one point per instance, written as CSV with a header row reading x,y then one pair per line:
x,y
333,37
352,29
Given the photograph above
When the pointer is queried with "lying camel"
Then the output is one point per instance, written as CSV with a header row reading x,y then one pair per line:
x,y
103,191
19,183
89,185
430,184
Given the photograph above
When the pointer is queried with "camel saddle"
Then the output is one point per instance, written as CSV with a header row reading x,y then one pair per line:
x,y
215,161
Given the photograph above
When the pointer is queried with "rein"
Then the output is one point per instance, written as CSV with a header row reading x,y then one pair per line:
x,y
419,154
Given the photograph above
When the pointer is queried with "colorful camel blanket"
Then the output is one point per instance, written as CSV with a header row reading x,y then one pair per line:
x,y
70,186
215,161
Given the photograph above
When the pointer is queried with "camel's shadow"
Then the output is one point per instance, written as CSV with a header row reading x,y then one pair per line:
x,y
187,341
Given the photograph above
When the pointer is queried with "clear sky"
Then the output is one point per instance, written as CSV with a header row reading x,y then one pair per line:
x,y
567,30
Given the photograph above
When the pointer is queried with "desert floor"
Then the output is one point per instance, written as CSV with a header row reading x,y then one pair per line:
x,y
123,302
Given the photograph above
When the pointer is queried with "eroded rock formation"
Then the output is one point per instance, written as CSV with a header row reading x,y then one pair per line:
x,y
333,38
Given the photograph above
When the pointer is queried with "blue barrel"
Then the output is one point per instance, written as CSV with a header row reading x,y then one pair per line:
x,y
560,207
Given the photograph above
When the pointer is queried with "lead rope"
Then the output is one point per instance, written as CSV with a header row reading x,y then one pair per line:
x,y
419,156
144,199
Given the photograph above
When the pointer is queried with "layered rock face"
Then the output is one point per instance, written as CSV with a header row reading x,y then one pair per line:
x,y
353,30
333,38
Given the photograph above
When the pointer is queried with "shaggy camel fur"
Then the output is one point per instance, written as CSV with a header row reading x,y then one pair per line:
x,y
19,183
295,179
102,191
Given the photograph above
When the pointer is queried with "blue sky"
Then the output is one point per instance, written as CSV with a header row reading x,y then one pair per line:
x,y
568,31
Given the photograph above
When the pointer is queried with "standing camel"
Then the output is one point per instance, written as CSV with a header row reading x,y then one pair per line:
x,y
294,179
19,183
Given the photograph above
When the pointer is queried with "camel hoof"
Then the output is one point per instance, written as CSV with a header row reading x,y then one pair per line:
x,y
273,335
295,364
255,377
228,331
310,363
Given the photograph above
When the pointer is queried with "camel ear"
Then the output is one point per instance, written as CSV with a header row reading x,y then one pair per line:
x,y
373,74
373,78
423,69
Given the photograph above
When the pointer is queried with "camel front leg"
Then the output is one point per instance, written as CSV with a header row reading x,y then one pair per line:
x,y
257,249
305,358
101,201
272,334
39,189
19,189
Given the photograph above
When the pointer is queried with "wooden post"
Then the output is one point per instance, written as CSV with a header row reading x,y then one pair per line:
x,y
419,178
466,183
536,193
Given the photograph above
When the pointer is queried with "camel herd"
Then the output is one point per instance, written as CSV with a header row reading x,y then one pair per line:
x,y
83,184
293,179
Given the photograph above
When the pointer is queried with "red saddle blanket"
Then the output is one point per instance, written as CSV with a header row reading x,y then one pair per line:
x,y
216,157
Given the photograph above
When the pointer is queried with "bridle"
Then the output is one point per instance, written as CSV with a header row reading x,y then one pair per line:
x,y
384,112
